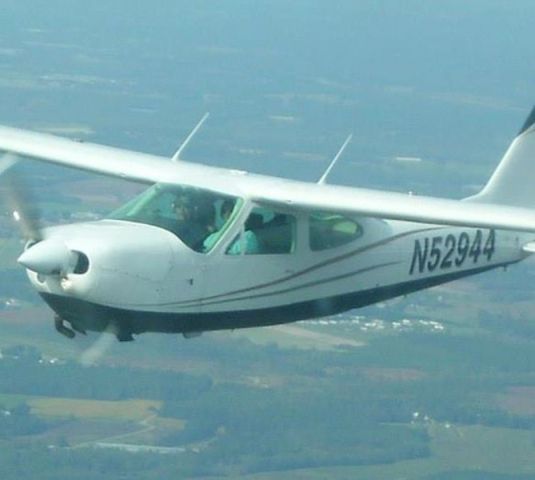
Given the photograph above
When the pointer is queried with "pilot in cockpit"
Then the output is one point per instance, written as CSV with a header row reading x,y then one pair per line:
x,y
188,227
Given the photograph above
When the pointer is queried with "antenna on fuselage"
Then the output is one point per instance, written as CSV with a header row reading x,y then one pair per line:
x,y
176,156
321,181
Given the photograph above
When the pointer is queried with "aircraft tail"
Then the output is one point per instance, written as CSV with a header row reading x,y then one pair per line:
x,y
513,181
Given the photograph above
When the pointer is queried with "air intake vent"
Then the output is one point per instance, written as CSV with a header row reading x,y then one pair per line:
x,y
82,264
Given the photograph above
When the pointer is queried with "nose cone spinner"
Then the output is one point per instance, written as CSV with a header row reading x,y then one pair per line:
x,y
47,257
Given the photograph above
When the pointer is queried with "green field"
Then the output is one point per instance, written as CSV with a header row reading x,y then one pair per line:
x,y
482,450
83,422
134,410
455,449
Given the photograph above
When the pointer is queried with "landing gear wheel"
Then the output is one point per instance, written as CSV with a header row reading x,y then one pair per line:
x,y
59,323
125,336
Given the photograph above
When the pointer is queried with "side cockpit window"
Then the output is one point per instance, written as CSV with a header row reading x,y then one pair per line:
x,y
196,216
225,211
330,230
265,232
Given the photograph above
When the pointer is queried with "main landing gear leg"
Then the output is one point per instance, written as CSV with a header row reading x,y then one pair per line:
x,y
121,332
124,336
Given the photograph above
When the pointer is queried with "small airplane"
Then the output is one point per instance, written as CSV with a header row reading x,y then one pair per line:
x,y
205,248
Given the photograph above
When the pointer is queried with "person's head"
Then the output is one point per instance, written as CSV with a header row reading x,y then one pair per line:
x,y
226,209
205,213
183,208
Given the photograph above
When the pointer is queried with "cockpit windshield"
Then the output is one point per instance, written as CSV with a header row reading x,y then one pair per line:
x,y
198,217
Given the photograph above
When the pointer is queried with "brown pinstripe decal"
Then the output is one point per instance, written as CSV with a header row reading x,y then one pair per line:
x,y
352,253
304,285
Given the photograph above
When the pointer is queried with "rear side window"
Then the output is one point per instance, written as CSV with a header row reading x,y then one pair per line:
x,y
265,232
331,230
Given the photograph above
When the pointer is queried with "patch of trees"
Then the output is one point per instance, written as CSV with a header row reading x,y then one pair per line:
x,y
282,428
29,377
324,410
43,463
19,421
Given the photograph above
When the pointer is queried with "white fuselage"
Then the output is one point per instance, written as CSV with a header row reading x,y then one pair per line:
x,y
207,248
145,272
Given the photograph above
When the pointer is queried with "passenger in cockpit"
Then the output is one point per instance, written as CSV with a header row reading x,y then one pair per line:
x,y
225,212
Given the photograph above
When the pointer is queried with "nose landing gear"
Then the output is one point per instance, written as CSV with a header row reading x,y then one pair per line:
x,y
59,323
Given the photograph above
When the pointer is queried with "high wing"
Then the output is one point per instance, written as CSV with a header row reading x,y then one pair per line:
x,y
396,206
265,190
111,161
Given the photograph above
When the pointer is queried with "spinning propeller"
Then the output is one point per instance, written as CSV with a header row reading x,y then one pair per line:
x,y
42,255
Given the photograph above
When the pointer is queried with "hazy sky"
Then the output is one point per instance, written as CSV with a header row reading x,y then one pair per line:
x,y
411,42
427,78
